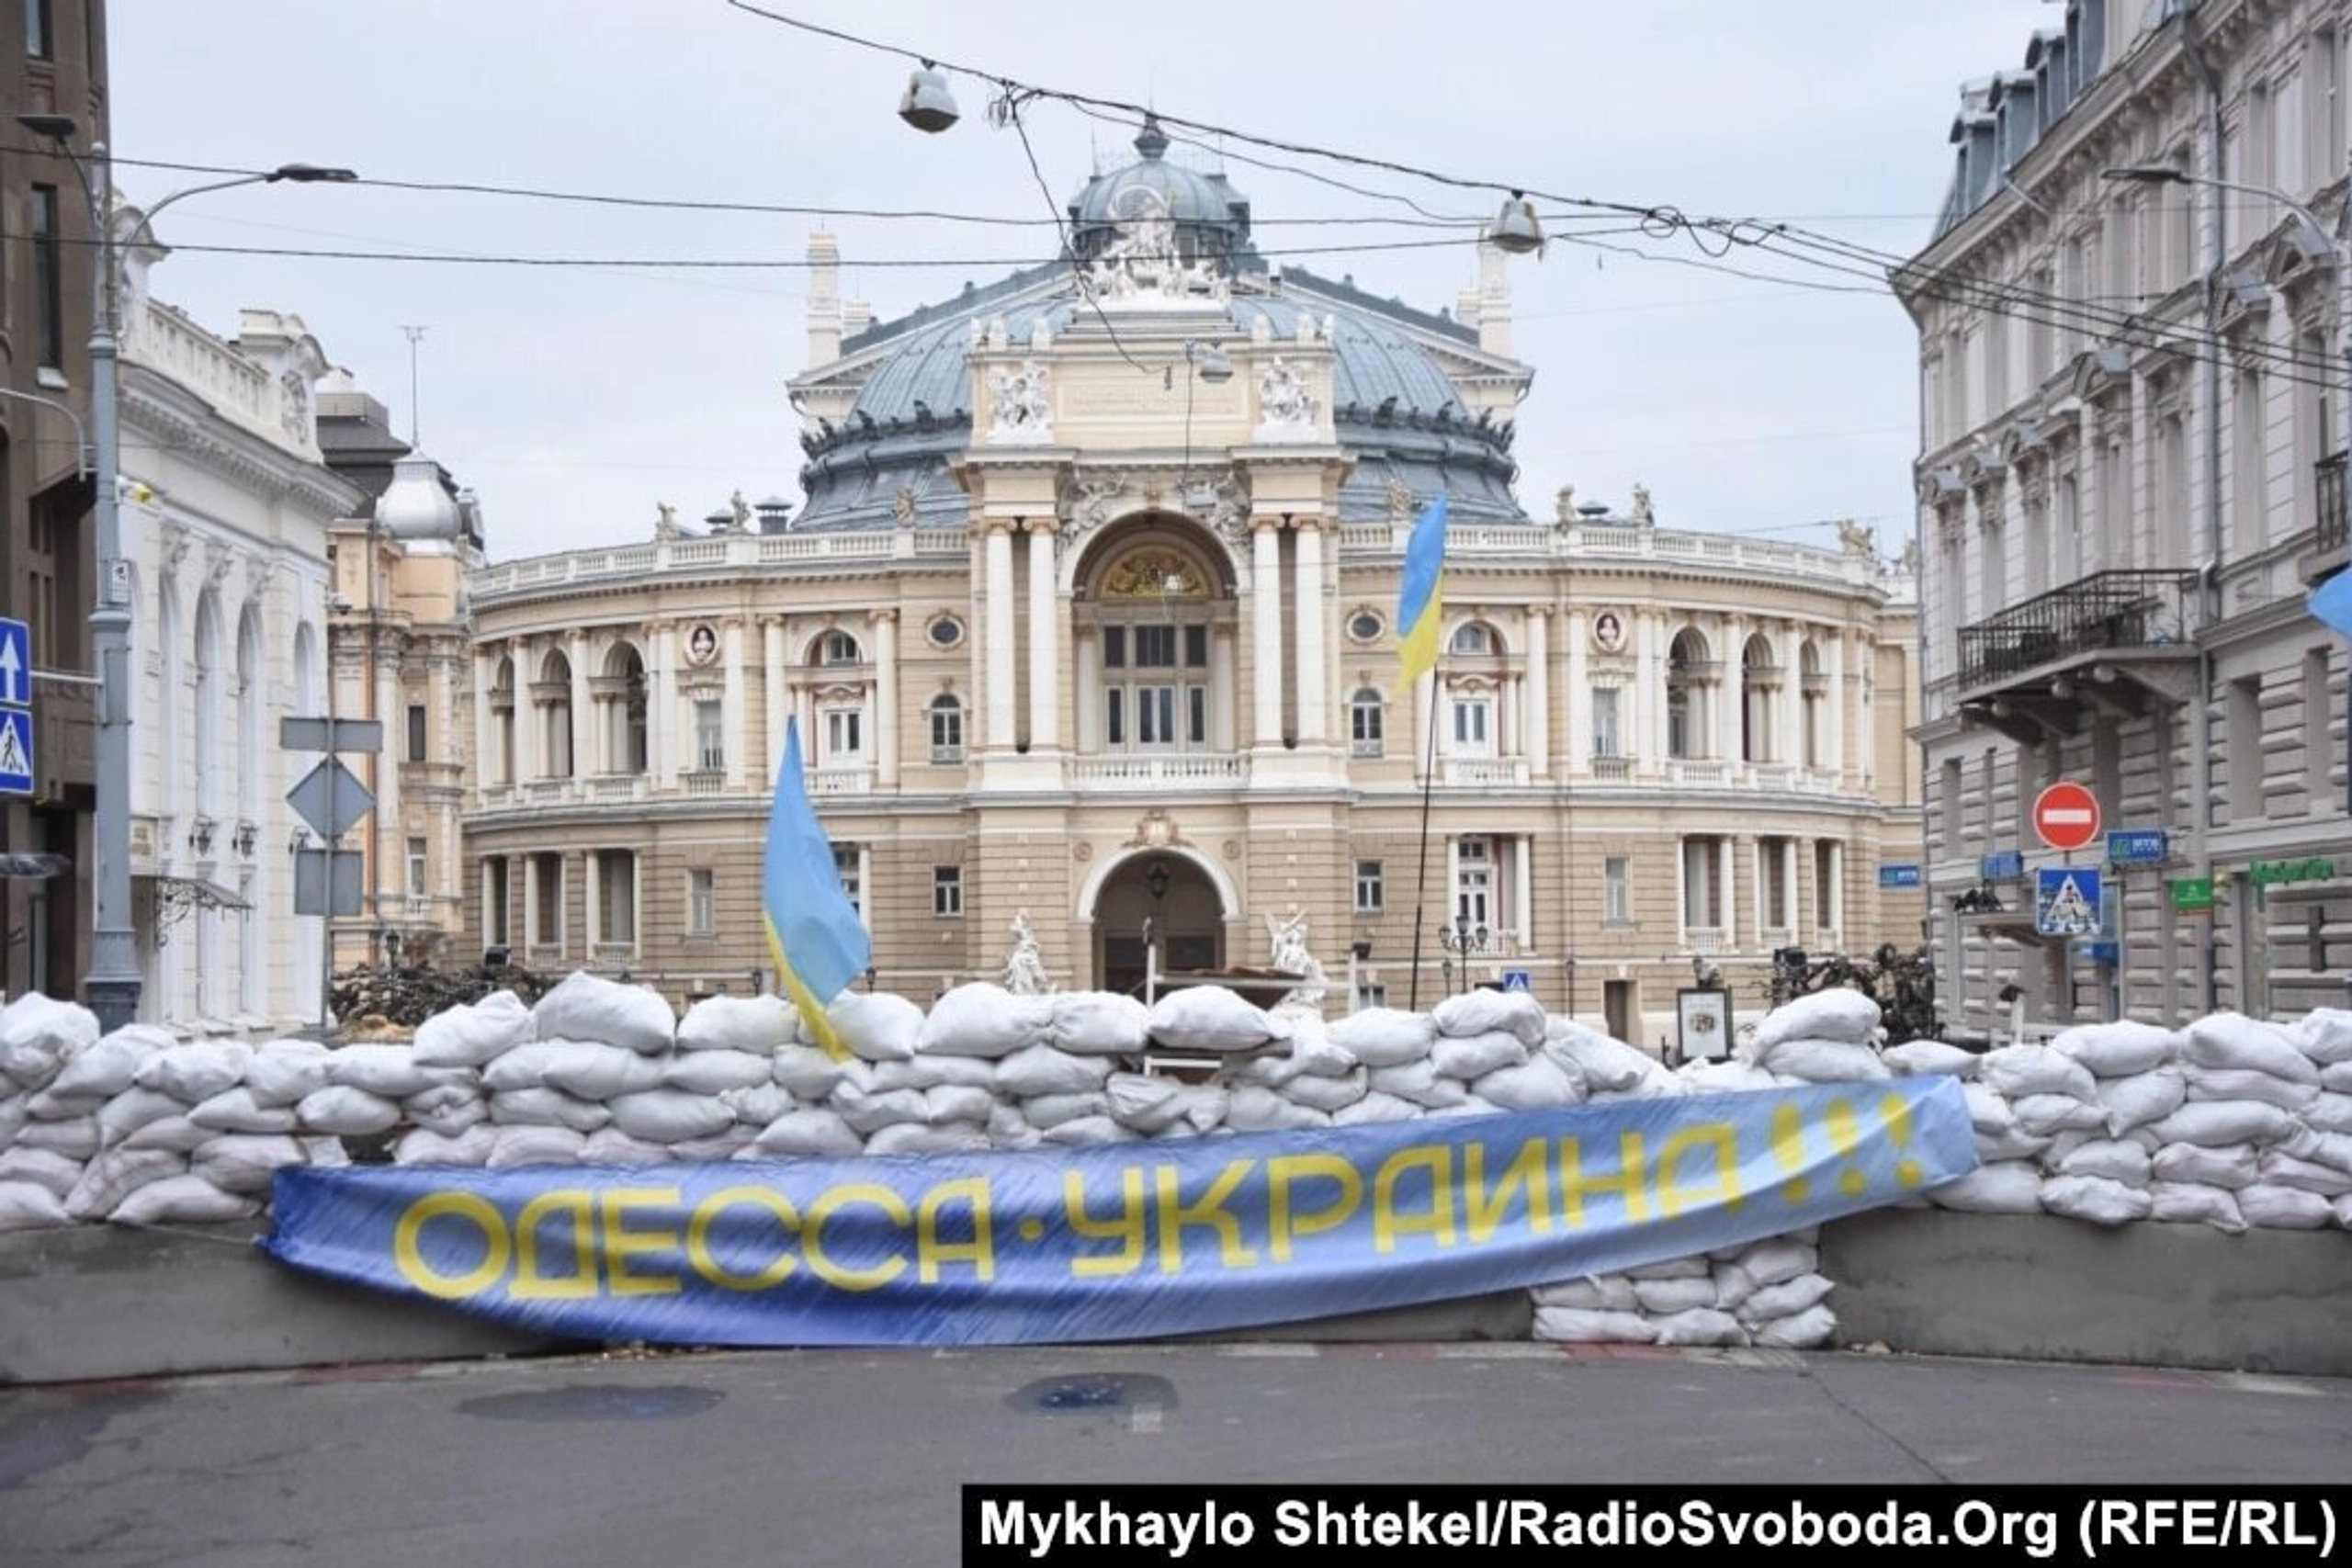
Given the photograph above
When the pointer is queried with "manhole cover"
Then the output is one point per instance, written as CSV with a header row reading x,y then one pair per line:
x,y
1092,1394
594,1404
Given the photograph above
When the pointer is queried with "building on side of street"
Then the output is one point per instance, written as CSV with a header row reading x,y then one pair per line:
x,y
2128,480
53,60
400,631
1087,619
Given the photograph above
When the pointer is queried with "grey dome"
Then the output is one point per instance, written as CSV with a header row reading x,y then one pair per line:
x,y
1209,217
416,505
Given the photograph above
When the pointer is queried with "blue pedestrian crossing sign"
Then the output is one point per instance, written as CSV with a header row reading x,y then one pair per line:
x,y
1518,979
2066,901
15,752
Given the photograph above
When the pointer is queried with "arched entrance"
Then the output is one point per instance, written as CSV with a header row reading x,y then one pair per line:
x,y
1185,916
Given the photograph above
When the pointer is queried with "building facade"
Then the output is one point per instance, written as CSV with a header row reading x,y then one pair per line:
x,y
53,60
225,510
2131,473
1087,619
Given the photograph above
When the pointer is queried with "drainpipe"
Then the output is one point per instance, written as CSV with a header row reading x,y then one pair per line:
x,y
2209,575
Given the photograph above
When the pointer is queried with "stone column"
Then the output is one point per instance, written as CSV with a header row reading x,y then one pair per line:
x,y
886,696
1266,632
1044,666
1450,895
1866,710
1833,738
1086,706
529,727
1729,691
1788,723
1510,734
592,905
1539,690
1648,743
733,723
1727,896
528,936
997,635
1314,699
1523,892
1837,919
391,863
487,761
772,695
660,706
582,709
1792,890
1224,662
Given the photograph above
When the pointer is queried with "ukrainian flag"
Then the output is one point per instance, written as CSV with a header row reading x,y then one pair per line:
x,y
820,945
1420,602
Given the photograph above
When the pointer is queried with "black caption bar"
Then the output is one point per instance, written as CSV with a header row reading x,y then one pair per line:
x,y
1116,1524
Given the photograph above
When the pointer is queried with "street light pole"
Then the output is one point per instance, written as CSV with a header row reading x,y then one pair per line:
x,y
111,984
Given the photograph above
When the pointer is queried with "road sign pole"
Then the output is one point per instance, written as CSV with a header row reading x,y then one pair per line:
x,y
326,919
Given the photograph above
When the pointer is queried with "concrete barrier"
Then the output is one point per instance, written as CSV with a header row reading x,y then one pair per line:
x,y
2044,1289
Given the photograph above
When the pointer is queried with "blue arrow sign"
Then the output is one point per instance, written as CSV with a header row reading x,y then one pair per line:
x,y
2138,846
16,664
1899,873
15,752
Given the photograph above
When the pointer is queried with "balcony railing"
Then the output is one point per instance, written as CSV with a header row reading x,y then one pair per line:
x,y
1483,771
2335,516
841,781
1613,769
708,781
1686,771
617,786
2106,609
1197,771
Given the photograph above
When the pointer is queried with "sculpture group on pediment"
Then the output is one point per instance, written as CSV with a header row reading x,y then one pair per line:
x,y
1283,397
1019,406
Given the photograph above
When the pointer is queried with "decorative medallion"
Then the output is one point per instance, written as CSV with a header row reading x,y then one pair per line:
x,y
1082,852
1609,632
702,644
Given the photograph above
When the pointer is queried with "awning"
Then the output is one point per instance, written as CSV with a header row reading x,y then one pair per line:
x,y
176,898
17,867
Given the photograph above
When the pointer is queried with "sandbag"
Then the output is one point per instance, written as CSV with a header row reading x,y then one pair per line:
x,y
1099,1023
450,1109
757,1024
1925,1058
424,1146
2230,1167
2326,1149
1779,1260
588,1007
1606,1066
1419,1083
1472,1056
1806,1330
547,1108
1386,1037
244,1163
723,1144
526,1065
1375,1107
2337,1077
1662,1298
75,1139
1328,1094
176,1134
1989,1112
473,1036
1087,1131
983,1020
1824,1061
116,1174
1537,1084
1314,1054
956,1102
48,1105
30,1206
351,1112
668,1116
2140,1100
587,1070
285,1072
610,1145
196,1071
758,1105
912,1138
868,1112
1256,1109
2095,1199
2244,1083
1575,1326
931,1072
1045,1069
1156,1105
808,1134
2016,1143
1730,1075
2269,1206
1050,1111
1467,1014
1840,1014
1594,1292
2324,1035
807,1074
1212,1018
2020,1071
2043,1115
2125,1162
1786,1299
43,1168
2214,1123
37,1033
713,1072
2118,1050
512,1146
2330,1112
386,1071
107,1065
1701,1325
182,1200
2280,1168
2234,1040
124,1114
1673,1268
2187,1203
876,1026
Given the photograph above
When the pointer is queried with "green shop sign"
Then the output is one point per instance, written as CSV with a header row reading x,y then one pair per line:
x,y
2266,872
2192,894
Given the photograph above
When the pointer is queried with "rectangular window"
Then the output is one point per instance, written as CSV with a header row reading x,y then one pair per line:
x,y
1370,895
40,42
1471,733
1825,886
1991,577
2246,748
1114,648
617,896
1155,715
2246,462
947,732
419,878
494,926
846,861
416,732
1701,909
702,902
2323,104
844,734
1772,883
1365,727
2261,144
1155,647
711,736
1617,890
1115,716
1474,887
1604,722
1948,815
1196,647
2318,754
947,890
1371,996
1196,716
48,298
547,916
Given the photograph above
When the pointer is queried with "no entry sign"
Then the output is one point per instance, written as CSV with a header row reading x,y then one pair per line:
x,y
2066,816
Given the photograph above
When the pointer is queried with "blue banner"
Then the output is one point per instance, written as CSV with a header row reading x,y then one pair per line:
x,y
1121,1241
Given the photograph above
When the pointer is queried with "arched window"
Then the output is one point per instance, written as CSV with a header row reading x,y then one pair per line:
x,y
839,648
1366,719
206,729
1686,708
1759,678
502,707
1816,690
1157,687
624,731
1474,637
946,729
555,678
250,697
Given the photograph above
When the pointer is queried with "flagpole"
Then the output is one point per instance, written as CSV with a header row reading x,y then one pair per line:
x,y
1420,889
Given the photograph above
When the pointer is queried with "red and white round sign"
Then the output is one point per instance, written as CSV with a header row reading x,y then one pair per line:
x,y
2066,816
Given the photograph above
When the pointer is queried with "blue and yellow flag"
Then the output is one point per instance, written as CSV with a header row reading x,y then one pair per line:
x,y
1421,602
2332,602
819,944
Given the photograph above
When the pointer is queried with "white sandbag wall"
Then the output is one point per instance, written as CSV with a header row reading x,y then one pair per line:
x,y
2231,1123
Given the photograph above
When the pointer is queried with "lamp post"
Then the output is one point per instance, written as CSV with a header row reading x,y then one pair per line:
x,y
111,984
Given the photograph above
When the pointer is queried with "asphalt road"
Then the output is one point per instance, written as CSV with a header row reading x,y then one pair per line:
x,y
823,1457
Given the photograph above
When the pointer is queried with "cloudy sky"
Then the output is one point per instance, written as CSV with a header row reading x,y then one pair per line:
x,y
575,399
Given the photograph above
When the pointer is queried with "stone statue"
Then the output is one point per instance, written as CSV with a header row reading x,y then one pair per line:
x,y
1565,504
1291,956
1282,395
1400,500
1025,968
665,522
1020,409
1908,561
1229,511
742,511
1857,539
1643,517
903,506
1088,497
